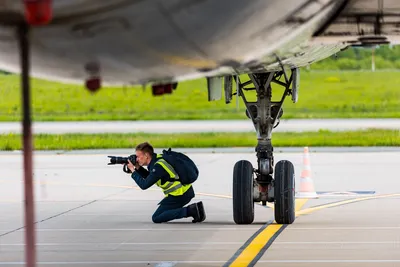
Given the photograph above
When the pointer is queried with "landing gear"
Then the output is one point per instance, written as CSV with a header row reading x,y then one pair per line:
x,y
263,184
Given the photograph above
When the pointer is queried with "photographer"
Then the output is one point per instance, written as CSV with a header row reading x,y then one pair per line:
x,y
162,174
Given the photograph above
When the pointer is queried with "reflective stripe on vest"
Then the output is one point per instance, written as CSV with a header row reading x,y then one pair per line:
x,y
172,173
172,188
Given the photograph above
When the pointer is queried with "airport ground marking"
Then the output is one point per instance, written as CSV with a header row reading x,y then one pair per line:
x,y
258,244
194,263
343,202
300,202
120,186
255,246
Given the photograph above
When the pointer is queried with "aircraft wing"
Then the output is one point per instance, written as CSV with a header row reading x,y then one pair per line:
x,y
363,23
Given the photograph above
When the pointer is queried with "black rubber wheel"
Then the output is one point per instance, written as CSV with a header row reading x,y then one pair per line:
x,y
243,203
284,192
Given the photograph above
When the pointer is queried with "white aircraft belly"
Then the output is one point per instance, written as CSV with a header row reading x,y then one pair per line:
x,y
174,40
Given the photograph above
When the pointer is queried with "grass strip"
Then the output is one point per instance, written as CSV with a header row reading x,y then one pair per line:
x,y
337,94
370,137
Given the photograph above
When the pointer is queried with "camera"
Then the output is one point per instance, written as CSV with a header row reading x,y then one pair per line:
x,y
122,160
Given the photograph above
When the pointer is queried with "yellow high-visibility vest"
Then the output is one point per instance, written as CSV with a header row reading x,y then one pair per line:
x,y
171,188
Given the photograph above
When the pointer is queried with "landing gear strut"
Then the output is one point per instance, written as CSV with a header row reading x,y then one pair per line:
x,y
263,184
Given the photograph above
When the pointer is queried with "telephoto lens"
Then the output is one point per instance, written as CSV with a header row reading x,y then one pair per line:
x,y
117,160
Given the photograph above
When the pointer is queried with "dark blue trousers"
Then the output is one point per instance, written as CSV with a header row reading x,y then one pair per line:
x,y
173,207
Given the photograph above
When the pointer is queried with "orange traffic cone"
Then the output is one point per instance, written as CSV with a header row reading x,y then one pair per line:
x,y
306,184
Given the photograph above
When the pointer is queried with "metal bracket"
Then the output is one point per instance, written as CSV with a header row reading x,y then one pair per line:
x,y
214,86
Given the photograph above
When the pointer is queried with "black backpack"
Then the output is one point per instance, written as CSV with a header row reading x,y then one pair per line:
x,y
183,165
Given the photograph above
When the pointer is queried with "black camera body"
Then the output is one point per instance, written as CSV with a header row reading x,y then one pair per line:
x,y
122,160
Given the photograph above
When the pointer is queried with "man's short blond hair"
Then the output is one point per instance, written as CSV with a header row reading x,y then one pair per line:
x,y
145,148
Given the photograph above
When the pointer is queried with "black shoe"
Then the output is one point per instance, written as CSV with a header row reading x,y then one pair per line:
x,y
193,211
202,213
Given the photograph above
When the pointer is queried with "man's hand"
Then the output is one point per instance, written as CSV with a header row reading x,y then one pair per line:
x,y
132,167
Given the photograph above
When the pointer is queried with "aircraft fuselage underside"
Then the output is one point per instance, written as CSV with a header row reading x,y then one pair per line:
x,y
136,42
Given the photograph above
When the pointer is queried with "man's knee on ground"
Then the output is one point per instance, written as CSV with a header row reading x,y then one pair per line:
x,y
156,218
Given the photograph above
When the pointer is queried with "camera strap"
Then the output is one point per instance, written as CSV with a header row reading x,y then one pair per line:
x,y
126,169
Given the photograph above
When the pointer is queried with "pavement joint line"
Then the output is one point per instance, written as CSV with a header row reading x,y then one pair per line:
x,y
345,228
58,214
107,263
142,229
124,243
198,243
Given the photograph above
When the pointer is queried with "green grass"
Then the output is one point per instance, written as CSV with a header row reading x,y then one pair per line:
x,y
371,137
322,95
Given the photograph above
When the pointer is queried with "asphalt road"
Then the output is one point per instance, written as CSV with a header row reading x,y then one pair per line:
x,y
91,214
198,126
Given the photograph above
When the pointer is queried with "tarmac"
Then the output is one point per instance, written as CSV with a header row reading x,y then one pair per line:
x,y
91,214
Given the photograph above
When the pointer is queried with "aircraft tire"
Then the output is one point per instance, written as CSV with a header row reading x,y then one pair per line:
x,y
242,194
284,192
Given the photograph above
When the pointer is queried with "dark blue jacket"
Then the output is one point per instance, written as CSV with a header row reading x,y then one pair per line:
x,y
145,179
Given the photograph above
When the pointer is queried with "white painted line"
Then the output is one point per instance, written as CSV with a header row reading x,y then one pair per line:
x,y
148,229
345,196
166,264
110,214
111,263
199,243
328,261
344,228
129,214
108,263
337,242
126,243
208,229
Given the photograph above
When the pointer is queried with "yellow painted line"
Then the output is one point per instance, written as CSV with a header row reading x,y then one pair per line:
x,y
330,205
94,185
123,186
265,238
258,243
261,241
300,202
138,188
213,195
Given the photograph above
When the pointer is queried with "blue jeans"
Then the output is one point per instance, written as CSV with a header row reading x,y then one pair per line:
x,y
172,207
